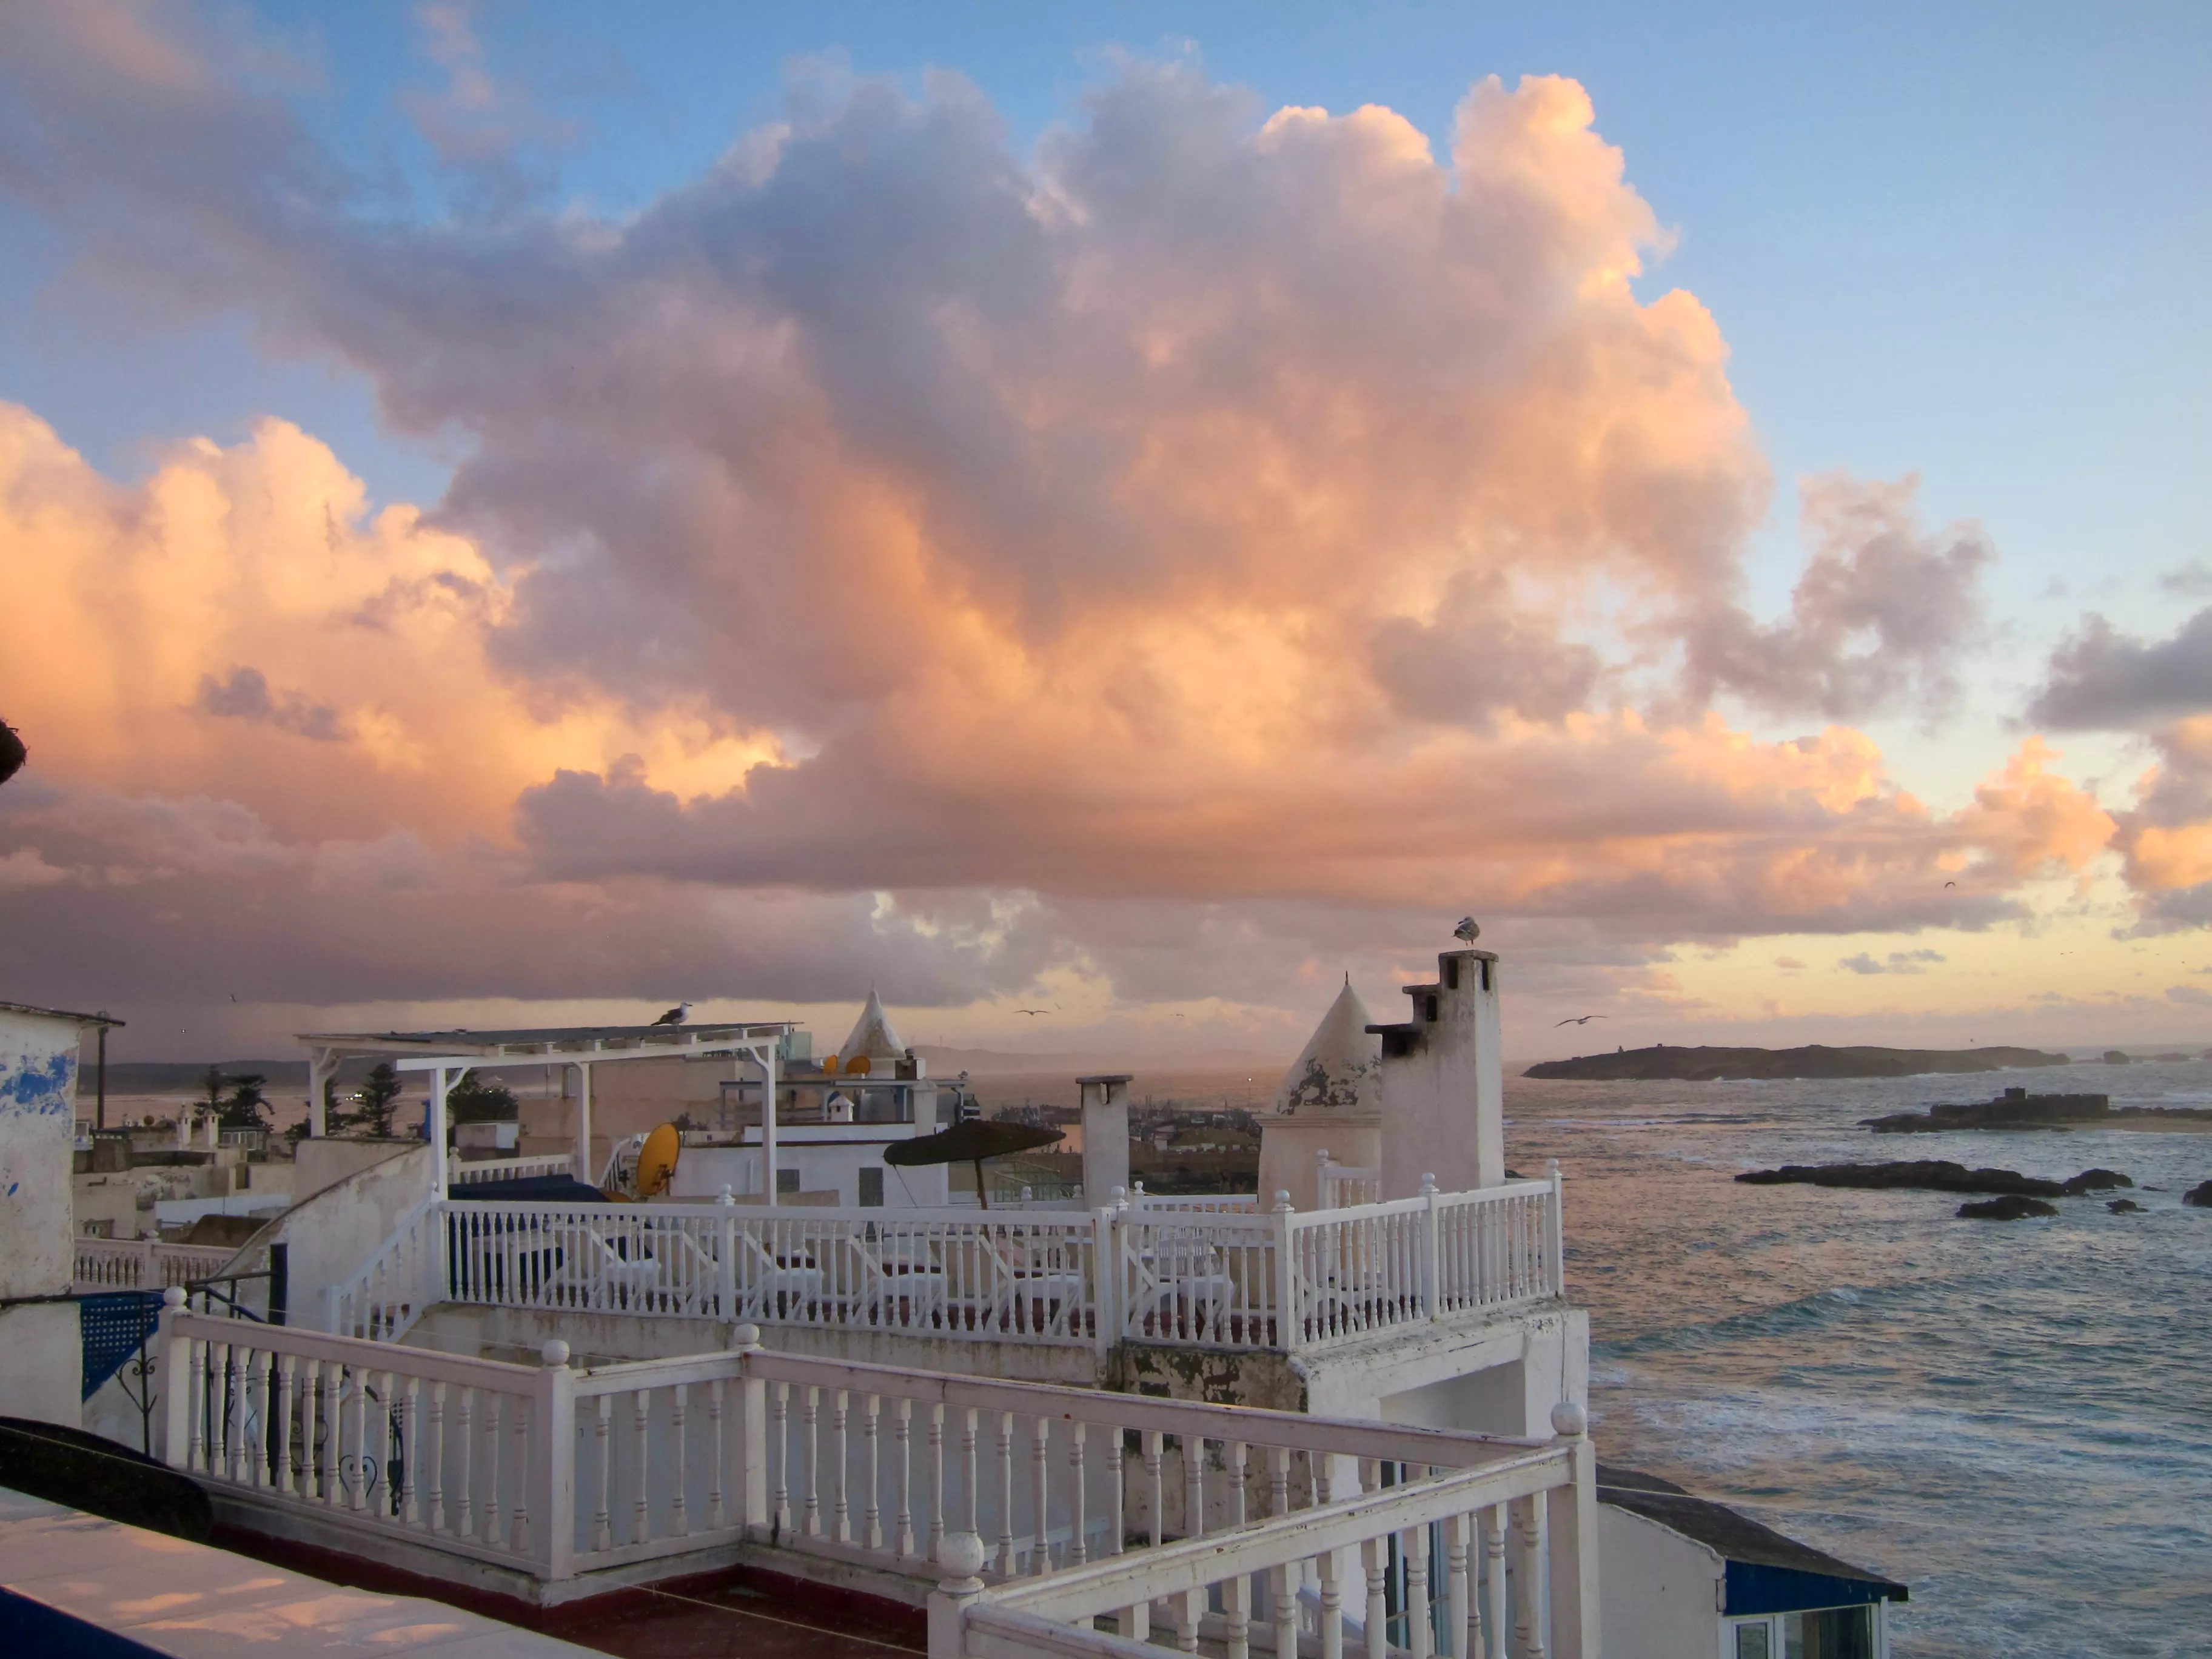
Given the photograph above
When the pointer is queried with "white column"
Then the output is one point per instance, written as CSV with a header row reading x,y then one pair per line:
x,y
439,1088
322,1066
583,1164
768,1124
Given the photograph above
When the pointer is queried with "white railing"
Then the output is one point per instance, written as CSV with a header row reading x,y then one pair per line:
x,y
552,1471
1033,1276
1497,1559
456,1454
1342,1184
1193,1203
144,1264
467,1171
1217,1279
401,1280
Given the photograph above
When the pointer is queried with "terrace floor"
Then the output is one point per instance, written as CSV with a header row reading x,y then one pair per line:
x,y
739,1610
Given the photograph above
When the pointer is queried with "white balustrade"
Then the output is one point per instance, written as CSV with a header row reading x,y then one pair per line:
x,y
144,1264
1416,1563
1145,1271
461,1171
400,1281
456,1454
552,1471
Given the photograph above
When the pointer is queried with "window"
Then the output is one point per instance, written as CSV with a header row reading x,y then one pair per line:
x,y
1825,1633
786,1181
871,1189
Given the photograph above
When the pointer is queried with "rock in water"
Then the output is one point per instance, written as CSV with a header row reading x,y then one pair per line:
x,y
2125,1207
1928,1175
2096,1180
2200,1195
2011,1207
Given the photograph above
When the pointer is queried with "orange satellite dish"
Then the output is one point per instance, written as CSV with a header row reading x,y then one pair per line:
x,y
829,1065
857,1066
656,1161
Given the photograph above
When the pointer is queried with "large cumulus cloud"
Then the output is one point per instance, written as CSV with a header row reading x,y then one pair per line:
x,y
1215,509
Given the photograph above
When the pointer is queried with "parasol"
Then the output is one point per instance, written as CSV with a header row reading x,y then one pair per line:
x,y
971,1143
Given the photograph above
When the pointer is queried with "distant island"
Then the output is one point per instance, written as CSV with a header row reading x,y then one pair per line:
x,y
1816,1060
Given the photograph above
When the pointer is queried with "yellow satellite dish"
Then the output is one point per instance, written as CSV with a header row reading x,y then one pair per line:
x,y
656,1161
829,1065
857,1066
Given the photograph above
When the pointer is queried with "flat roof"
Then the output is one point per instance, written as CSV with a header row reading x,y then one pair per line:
x,y
58,1013
1733,1536
549,1039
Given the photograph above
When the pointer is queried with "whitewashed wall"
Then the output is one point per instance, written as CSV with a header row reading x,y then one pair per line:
x,y
1661,1592
40,1359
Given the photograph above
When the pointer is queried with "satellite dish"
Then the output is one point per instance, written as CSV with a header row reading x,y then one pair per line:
x,y
656,1161
857,1066
829,1065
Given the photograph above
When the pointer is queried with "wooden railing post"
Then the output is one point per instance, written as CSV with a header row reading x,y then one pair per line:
x,y
1106,1252
1429,1255
1572,1517
960,1557
1559,1234
725,1248
1289,1334
551,1482
752,1434
176,1381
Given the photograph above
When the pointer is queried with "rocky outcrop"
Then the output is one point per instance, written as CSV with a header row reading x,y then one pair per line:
x,y
2125,1207
2016,1108
1925,1175
2200,1195
1707,1065
2096,1180
2011,1207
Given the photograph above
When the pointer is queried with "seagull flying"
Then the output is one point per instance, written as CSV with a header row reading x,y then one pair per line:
x,y
1467,930
1578,1020
675,1016
1950,884
1028,1010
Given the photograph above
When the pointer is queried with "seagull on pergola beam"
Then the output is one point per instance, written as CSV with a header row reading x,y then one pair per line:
x,y
1578,1020
675,1016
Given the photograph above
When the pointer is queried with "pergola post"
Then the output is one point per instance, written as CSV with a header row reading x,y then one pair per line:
x,y
438,1087
768,1123
322,1066
584,1122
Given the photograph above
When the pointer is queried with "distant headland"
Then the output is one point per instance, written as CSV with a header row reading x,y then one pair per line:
x,y
1706,1065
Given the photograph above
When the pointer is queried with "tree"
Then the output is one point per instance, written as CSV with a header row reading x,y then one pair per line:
x,y
245,1107
377,1099
472,1100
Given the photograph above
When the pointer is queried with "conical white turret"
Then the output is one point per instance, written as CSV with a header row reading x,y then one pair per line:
x,y
1338,1073
872,1034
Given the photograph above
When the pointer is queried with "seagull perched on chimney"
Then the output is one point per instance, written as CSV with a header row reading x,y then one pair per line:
x,y
1467,930
675,1016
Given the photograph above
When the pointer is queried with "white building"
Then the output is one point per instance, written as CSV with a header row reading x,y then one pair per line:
x,y
40,1347
1369,1373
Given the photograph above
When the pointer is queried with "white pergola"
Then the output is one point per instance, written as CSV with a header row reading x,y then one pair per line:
x,y
446,1056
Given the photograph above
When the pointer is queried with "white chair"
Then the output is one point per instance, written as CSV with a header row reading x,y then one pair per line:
x,y
767,1286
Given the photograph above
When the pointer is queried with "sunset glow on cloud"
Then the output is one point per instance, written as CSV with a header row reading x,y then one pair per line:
x,y
1183,561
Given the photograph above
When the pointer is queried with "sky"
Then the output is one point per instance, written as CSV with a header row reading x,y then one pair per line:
x,y
514,514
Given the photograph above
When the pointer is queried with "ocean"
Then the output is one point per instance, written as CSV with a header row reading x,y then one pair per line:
x,y
2013,1417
